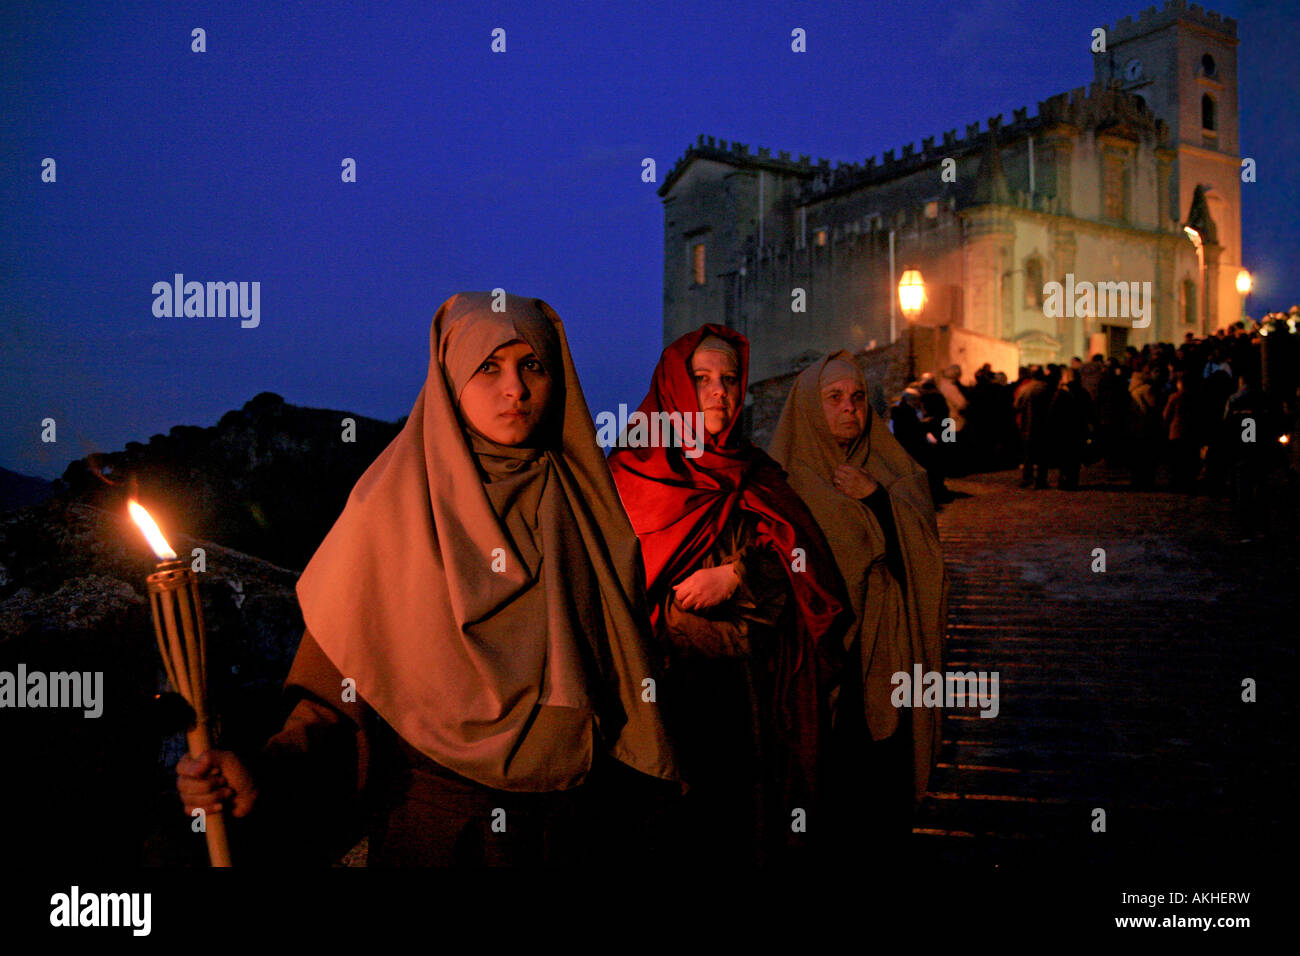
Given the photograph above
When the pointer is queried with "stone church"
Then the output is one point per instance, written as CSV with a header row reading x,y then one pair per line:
x,y
1134,179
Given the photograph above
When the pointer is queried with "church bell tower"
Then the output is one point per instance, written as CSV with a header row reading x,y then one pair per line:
x,y
1182,62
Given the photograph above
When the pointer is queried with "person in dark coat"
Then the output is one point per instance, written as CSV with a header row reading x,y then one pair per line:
x,y
908,418
1113,413
982,421
1216,389
936,419
1090,376
1250,437
1032,403
905,419
1146,427
1068,420
1184,447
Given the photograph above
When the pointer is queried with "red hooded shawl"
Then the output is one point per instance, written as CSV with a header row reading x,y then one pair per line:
x,y
679,506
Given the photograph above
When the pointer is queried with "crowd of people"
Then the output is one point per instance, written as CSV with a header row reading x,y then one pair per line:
x,y
1195,413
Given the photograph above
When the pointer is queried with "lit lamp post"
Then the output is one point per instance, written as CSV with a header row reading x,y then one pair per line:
x,y
1243,287
911,298
1202,322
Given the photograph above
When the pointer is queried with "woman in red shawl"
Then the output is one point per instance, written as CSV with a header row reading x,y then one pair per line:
x,y
747,604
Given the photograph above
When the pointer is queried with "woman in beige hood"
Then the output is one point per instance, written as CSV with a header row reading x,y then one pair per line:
x,y
476,620
873,503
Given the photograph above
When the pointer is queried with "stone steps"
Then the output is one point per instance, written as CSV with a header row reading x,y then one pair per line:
x,y
1119,690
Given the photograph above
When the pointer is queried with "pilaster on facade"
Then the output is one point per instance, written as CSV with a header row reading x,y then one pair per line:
x,y
1168,206
1211,251
1058,145
1168,320
1065,246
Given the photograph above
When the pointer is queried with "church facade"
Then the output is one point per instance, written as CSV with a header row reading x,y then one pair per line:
x,y
1135,179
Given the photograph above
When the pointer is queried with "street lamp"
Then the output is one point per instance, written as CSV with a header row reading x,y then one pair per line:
x,y
1243,287
1195,237
911,293
911,296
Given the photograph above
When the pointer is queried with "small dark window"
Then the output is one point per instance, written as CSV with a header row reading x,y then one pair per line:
x,y
1207,111
1034,284
1116,340
1115,186
1207,65
1189,302
1141,103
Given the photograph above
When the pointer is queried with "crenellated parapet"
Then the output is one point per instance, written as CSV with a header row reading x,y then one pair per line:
x,y
1174,11
1083,108
1102,105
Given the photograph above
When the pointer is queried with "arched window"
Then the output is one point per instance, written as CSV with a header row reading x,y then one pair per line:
x,y
1207,111
1033,283
1189,302
1208,65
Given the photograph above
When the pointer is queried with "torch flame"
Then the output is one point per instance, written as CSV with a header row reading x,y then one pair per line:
x,y
151,532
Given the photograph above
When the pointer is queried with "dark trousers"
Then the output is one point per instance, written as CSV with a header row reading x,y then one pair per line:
x,y
869,782
1069,468
1184,464
436,818
714,712
1033,460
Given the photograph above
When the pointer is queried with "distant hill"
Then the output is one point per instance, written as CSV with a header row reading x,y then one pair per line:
x,y
19,491
267,480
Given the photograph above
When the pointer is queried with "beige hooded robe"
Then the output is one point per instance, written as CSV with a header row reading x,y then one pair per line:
x,y
898,625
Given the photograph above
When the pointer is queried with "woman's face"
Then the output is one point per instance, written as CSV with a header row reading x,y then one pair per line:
x,y
507,397
717,385
845,405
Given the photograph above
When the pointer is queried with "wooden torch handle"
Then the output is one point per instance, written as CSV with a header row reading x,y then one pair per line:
x,y
214,824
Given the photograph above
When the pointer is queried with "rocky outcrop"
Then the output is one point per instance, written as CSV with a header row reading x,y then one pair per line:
x,y
268,479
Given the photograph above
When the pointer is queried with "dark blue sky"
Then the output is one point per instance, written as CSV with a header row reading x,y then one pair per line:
x,y
475,171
